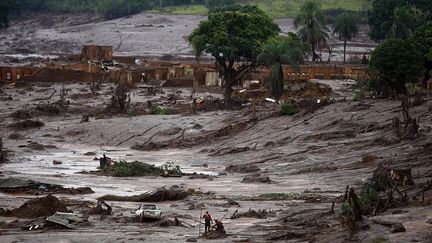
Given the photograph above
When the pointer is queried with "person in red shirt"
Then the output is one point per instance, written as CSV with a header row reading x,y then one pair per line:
x,y
207,221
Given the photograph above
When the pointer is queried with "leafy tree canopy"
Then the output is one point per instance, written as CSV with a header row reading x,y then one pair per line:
x,y
394,63
233,36
6,7
397,18
423,41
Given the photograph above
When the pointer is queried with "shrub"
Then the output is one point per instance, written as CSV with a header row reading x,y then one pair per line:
x,y
359,94
158,110
346,210
288,109
123,168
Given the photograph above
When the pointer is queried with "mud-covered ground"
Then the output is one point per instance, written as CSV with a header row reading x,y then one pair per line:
x,y
137,35
310,157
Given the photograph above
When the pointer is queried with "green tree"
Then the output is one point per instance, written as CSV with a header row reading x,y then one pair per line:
x,y
6,8
423,41
234,37
278,51
397,18
346,27
313,27
393,64
405,20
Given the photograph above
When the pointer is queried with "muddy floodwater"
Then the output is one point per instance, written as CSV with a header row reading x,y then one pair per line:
x,y
280,174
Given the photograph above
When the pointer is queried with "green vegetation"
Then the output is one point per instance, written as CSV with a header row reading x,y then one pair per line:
x,y
313,29
6,8
278,51
288,109
159,110
393,64
369,193
379,239
423,41
133,169
397,18
233,36
346,27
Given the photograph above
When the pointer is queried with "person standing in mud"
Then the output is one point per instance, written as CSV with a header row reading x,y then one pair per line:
x,y
207,222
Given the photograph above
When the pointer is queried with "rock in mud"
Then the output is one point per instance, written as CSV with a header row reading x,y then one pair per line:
x,y
256,178
38,207
90,154
27,124
35,146
57,162
243,168
369,158
16,136
397,228
21,115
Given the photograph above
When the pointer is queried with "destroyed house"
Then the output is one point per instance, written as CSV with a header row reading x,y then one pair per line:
x,y
97,53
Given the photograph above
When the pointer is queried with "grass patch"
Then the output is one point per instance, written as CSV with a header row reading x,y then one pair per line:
x,y
379,239
288,109
186,10
274,8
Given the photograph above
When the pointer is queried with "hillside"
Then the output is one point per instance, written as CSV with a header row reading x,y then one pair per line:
x,y
275,8
119,8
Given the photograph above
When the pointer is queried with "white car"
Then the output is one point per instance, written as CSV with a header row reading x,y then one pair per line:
x,y
148,211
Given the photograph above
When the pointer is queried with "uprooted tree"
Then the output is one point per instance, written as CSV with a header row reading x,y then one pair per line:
x,y
120,99
234,37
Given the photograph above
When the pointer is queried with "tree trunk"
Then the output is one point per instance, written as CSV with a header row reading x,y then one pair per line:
x,y
313,51
345,45
229,81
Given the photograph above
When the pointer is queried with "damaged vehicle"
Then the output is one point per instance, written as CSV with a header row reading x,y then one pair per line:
x,y
148,211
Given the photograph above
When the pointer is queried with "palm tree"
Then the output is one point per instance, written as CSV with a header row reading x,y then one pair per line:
x,y
313,27
346,26
276,52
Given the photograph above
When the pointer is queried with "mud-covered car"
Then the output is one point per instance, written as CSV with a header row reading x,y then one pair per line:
x,y
148,211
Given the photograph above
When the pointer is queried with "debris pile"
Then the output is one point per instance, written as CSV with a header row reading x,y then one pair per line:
x,y
38,207
162,194
102,208
259,214
15,185
59,219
